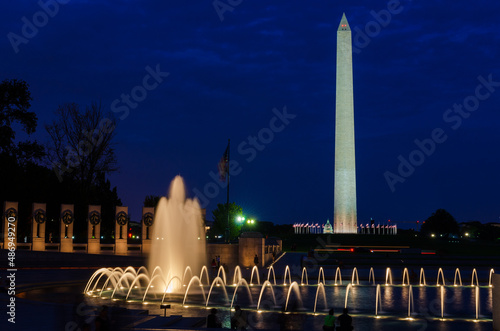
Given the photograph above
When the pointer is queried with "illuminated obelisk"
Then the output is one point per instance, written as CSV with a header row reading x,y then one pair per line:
x,y
345,220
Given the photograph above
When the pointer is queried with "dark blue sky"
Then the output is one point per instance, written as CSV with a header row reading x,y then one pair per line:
x,y
226,77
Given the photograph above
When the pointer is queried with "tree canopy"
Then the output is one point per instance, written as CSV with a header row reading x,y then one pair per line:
x,y
441,223
220,220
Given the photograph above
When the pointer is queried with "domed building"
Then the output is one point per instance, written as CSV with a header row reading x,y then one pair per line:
x,y
328,227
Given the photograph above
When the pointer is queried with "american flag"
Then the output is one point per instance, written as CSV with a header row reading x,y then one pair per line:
x,y
224,165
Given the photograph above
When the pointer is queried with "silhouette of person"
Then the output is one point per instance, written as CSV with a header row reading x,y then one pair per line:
x,y
256,260
239,319
345,321
212,320
329,324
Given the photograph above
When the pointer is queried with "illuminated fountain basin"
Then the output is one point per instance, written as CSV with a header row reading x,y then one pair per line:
x,y
313,293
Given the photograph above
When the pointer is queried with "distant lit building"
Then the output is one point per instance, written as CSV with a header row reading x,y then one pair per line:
x,y
328,227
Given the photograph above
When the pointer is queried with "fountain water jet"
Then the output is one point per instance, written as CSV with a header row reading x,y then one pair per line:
x,y
256,271
337,272
354,273
442,301
221,271
194,279
237,275
492,271
321,288
388,277
477,302
371,276
405,272
287,270
440,272
411,305
264,285
474,273
321,273
422,276
378,300
271,268
244,282
178,234
457,273
304,272
204,268
295,287
347,294
216,281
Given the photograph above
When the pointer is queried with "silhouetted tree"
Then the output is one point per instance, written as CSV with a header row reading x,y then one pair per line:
x,y
220,220
151,201
15,100
440,222
81,143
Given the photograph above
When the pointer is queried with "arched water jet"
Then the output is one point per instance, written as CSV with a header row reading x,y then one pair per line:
x,y
100,272
194,279
256,270
118,286
354,273
440,272
378,300
304,272
321,288
237,275
474,273
287,270
113,277
244,282
188,268
371,276
150,286
339,274
411,304
264,285
204,268
347,294
457,273
492,271
422,277
271,268
219,281
388,276
168,288
321,273
295,287
405,272
137,279
221,270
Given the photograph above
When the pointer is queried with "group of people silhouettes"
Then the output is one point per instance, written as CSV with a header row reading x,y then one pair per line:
x,y
344,321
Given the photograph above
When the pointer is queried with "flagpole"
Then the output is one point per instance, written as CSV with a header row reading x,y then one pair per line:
x,y
227,203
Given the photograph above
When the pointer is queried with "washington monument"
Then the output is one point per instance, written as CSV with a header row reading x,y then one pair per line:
x,y
344,215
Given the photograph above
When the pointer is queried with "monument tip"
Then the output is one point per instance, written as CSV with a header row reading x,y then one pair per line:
x,y
344,25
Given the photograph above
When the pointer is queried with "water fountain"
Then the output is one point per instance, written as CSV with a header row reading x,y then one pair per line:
x,y
440,272
320,289
304,273
422,277
347,294
388,277
411,305
354,273
457,273
178,239
271,268
256,271
321,273
371,276
474,273
378,300
287,271
492,271
339,274
405,273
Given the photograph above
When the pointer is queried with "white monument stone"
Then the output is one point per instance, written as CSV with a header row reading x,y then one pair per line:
x,y
345,219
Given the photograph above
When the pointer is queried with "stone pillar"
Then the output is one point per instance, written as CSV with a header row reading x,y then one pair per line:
x,y
67,220
121,224
147,228
94,230
496,301
38,226
11,215
251,244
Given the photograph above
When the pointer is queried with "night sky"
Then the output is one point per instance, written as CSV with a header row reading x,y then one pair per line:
x,y
424,70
